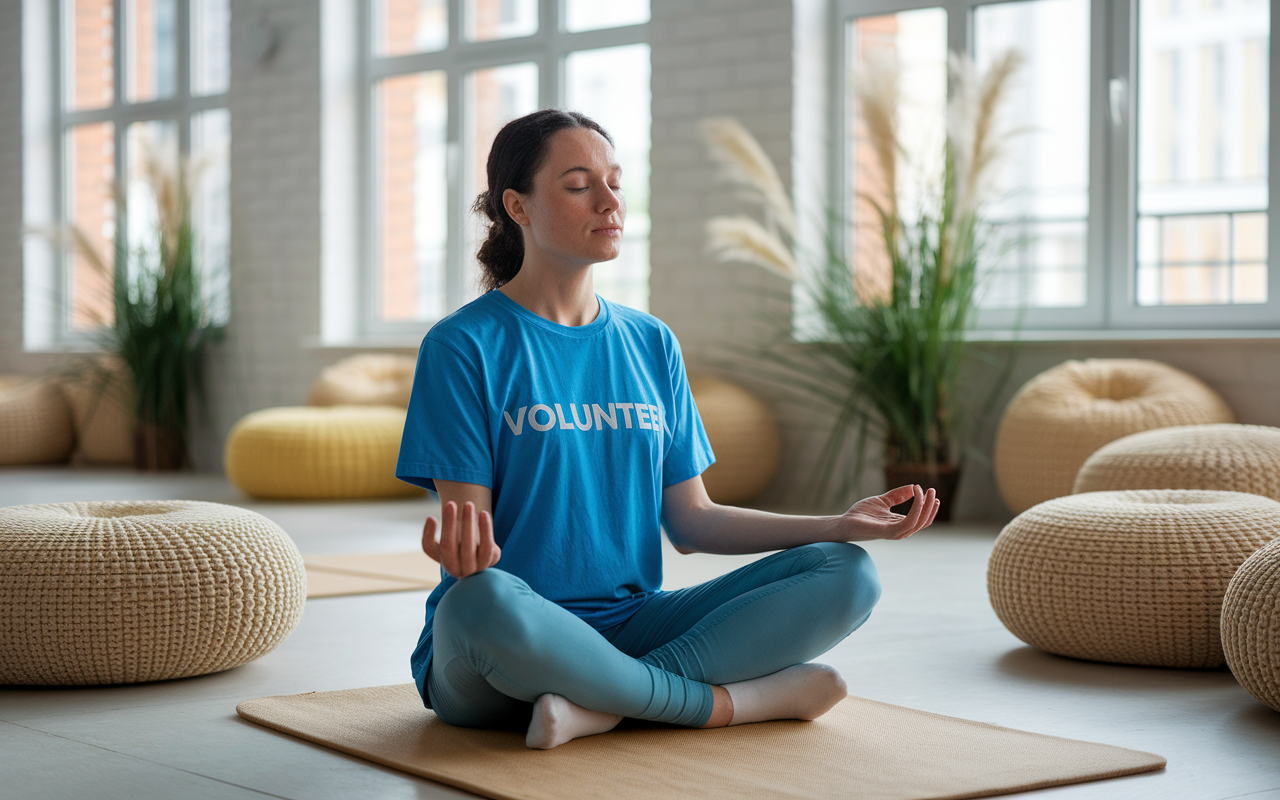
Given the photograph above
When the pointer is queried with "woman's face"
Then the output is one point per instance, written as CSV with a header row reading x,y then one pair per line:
x,y
575,211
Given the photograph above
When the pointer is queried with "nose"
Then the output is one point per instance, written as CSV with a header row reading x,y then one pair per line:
x,y
608,199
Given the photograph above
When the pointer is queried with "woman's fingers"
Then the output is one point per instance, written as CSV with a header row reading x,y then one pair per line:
x,y
489,550
429,544
449,538
899,495
468,540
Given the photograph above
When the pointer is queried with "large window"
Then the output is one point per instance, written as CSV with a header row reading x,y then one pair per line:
x,y
130,81
441,77
1136,191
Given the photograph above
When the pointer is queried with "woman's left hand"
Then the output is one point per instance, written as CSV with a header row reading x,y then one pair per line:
x,y
873,518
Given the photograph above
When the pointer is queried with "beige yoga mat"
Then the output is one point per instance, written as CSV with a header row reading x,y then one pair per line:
x,y
335,575
861,749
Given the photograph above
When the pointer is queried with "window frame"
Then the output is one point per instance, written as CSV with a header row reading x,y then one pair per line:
x,y
547,47
181,108
1110,271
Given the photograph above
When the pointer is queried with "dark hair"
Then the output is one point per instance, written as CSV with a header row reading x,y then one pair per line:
x,y
518,151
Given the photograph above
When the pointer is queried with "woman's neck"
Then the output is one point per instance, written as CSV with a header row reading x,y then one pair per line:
x,y
564,296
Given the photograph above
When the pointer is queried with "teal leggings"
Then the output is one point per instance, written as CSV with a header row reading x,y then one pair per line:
x,y
498,645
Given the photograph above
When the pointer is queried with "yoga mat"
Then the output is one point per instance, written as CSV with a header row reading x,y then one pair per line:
x,y
860,749
369,573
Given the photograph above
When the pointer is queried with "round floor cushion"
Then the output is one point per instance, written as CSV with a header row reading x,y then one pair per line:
x,y
743,435
35,421
1060,417
1134,577
1251,625
1232,458
368,379
132,591
307,453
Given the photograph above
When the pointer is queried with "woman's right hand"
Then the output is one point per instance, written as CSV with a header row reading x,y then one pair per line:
x,y
466,544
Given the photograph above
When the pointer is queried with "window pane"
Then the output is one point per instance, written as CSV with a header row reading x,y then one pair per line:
x,y
210,53
91,207
493,98
89,65
211,205
587,15
152,49
411,196
916,42
501,19
1041,200
611,85
410,26
1202,151
152,163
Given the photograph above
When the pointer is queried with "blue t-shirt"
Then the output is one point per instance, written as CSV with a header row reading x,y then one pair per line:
x,y
576,430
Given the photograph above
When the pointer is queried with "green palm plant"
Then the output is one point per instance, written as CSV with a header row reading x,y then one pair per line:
x,y
889,359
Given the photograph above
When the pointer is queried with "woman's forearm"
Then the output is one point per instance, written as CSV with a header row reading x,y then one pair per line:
x,y
728,530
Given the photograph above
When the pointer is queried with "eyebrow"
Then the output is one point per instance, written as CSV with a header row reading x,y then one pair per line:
x,y
612,168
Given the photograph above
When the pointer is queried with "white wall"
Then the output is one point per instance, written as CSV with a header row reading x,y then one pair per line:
x,y
709,57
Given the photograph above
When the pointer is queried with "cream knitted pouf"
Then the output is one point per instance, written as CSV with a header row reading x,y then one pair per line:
x,y
318,453
132,591
35,422
101,401
1251,625
743,435
1230,458
1129,577
1060,417
369,379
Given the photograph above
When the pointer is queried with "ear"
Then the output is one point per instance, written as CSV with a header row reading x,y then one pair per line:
x,y
514,203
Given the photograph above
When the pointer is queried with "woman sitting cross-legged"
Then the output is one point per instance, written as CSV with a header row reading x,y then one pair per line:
x,y
560,434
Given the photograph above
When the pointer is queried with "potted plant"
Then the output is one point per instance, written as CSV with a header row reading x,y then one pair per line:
x,y
888,355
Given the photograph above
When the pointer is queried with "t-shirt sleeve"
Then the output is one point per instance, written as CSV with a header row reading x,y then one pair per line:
x,y
690,451
446,432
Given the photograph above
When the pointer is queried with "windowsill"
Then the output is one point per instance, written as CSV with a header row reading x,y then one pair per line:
x,y
394,342
1121,335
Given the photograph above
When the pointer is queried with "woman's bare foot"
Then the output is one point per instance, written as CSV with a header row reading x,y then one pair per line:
x,y
804,691
556,721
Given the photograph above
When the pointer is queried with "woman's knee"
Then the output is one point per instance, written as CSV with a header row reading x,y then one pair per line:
x,y
489,605
858,579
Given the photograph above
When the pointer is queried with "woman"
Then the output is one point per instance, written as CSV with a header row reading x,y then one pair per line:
x,y
558,430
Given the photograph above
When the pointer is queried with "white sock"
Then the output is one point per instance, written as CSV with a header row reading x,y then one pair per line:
x,y
556,721
804,691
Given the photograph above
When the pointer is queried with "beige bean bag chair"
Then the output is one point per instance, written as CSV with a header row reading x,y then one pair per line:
x,y
35,422
1061,416
1127,577
133,591
743,435
1251,625
310,453
370,379
101,403
1226,457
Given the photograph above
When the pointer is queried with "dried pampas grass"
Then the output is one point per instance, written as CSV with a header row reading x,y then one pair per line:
x,y
973,127
743,239
743,162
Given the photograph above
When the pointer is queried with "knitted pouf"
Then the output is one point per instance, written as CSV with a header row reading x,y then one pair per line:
x,y
1130,577
132,591
743,435
369,379
35,422
1230,458
1060,417
318,453
1251,625
101,399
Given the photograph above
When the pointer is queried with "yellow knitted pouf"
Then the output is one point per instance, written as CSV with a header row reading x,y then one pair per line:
x,y
369,379
1060,417
318,453
1230,458
132,591
743,435
1128,577
1251,625
35,422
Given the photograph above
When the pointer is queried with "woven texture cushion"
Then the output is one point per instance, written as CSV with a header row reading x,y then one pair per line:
x,y
35,422
132,591
101,400
318,453
1060,417
1128,577
1230,458
370,379
1251,625
743,435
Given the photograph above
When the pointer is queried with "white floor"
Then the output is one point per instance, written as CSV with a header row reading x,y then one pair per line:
x,y
934,643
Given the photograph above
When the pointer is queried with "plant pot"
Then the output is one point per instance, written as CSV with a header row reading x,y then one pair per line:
x,y
158,448
942,478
